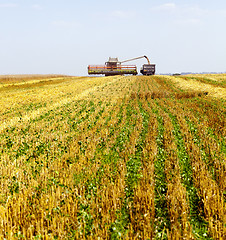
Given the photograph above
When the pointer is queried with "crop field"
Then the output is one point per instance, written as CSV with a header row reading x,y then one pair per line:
x,y
122,157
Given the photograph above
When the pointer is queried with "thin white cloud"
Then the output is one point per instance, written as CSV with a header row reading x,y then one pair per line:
x,y
182,14
189,21
36,7
8,5
196,10
122,14
165,7
180,9
66,24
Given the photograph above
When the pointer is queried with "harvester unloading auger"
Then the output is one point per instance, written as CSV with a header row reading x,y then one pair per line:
x,y
115,67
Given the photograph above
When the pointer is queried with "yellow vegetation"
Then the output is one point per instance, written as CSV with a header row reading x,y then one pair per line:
x,y
121,157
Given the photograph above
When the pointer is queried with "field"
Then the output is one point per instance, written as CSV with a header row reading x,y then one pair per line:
x,y
122,157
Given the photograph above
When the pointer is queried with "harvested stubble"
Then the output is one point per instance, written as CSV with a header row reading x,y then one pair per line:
x,y
89,158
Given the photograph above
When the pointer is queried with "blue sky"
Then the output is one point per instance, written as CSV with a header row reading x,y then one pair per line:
x,y
64,36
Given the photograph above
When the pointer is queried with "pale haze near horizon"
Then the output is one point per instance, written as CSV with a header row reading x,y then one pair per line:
x,y
64,37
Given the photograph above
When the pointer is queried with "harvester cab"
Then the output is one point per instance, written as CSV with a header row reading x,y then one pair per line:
x,y
113,63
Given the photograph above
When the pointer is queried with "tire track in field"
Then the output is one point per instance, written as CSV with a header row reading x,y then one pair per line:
x,y
35,113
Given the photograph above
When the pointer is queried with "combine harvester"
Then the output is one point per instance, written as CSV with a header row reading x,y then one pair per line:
x,y
114,67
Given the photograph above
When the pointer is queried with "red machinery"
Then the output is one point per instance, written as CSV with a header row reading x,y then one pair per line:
x,y
114,67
